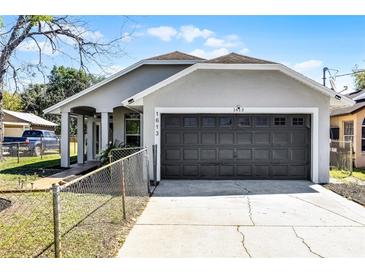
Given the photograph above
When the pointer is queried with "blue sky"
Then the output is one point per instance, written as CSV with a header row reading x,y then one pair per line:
x,y
305,43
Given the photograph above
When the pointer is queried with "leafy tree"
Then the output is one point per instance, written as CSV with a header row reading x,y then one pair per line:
x,y
63,82
12,101
359,80
57,32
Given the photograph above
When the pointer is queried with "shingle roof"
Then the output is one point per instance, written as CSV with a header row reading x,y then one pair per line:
x,y
30,117
235,58
175,55
358,96
348,110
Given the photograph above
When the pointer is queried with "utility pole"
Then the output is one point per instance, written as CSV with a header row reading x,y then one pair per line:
x,y
325,69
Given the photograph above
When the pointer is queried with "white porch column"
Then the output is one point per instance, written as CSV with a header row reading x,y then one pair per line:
x,y
80,139
90,138
104,130
65,139
141,130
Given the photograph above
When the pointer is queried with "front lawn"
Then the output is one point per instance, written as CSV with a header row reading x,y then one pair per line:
x,y
28,170
91,224
357,173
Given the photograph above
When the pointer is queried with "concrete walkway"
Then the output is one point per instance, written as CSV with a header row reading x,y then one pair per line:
x,y
75,169
247,219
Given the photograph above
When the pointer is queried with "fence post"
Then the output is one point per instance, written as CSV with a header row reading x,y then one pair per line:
x,y
41,147
147,173
123,190
351,162
56,220
17,152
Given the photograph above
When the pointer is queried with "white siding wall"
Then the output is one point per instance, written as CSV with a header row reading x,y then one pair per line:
x,y
109,96
246,88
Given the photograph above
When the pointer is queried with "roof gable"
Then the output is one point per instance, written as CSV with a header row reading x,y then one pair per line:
x,y
336,99
30,118
235,58
175,55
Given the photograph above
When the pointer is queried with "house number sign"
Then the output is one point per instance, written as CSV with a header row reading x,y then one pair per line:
x,y
157,124
238,109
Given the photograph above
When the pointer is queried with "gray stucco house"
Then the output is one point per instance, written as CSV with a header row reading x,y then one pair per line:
x,y
232,117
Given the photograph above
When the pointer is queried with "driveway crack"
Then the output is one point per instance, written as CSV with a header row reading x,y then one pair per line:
x,y
250,210
304,242
333,212
248,202
243,242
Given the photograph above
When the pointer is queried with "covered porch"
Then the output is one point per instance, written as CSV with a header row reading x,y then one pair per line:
x,y
97,129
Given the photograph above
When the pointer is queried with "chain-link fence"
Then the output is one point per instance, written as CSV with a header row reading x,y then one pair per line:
x,y
119,153
26,223
78,218
341,155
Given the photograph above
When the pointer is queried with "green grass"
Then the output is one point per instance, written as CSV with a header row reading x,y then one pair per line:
x,y
26,228
341,174
30,168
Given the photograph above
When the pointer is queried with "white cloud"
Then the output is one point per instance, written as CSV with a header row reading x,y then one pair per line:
x,y
165,33
243,51
126,37
219,43
209,54
189,33
308,65
31,46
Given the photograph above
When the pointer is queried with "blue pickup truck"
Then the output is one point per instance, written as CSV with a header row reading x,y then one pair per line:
x,y
33,142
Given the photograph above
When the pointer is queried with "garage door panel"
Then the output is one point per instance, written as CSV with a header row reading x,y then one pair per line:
x,y
222,146
172,154
261,171
299,138
261,154
191,170
226,154
280,138
226,138
191,154
279,170
172,138
299,155
172,171
262,138
208,171
208,138
280,154
244,170
244,154
208,154
297,171
191,138
226,170
244,138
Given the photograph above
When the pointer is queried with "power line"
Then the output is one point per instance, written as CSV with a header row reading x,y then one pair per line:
x,y
351,73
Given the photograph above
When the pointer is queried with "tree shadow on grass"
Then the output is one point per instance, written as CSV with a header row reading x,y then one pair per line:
x,y
42,167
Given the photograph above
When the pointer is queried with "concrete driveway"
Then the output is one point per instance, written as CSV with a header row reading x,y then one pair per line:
x,y
247,219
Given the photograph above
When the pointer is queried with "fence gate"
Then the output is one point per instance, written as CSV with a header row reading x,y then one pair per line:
x,y
341,155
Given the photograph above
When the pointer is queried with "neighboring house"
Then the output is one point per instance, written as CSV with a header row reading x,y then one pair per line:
x,y
348,124
16,122
232,117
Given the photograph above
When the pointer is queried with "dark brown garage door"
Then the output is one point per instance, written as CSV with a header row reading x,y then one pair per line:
x,y
240,146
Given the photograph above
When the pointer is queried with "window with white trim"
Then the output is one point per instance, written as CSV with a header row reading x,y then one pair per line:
x,y
348,134
132,129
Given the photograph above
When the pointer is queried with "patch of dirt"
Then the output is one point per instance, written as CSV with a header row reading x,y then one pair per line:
x,y
4,204
350,191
